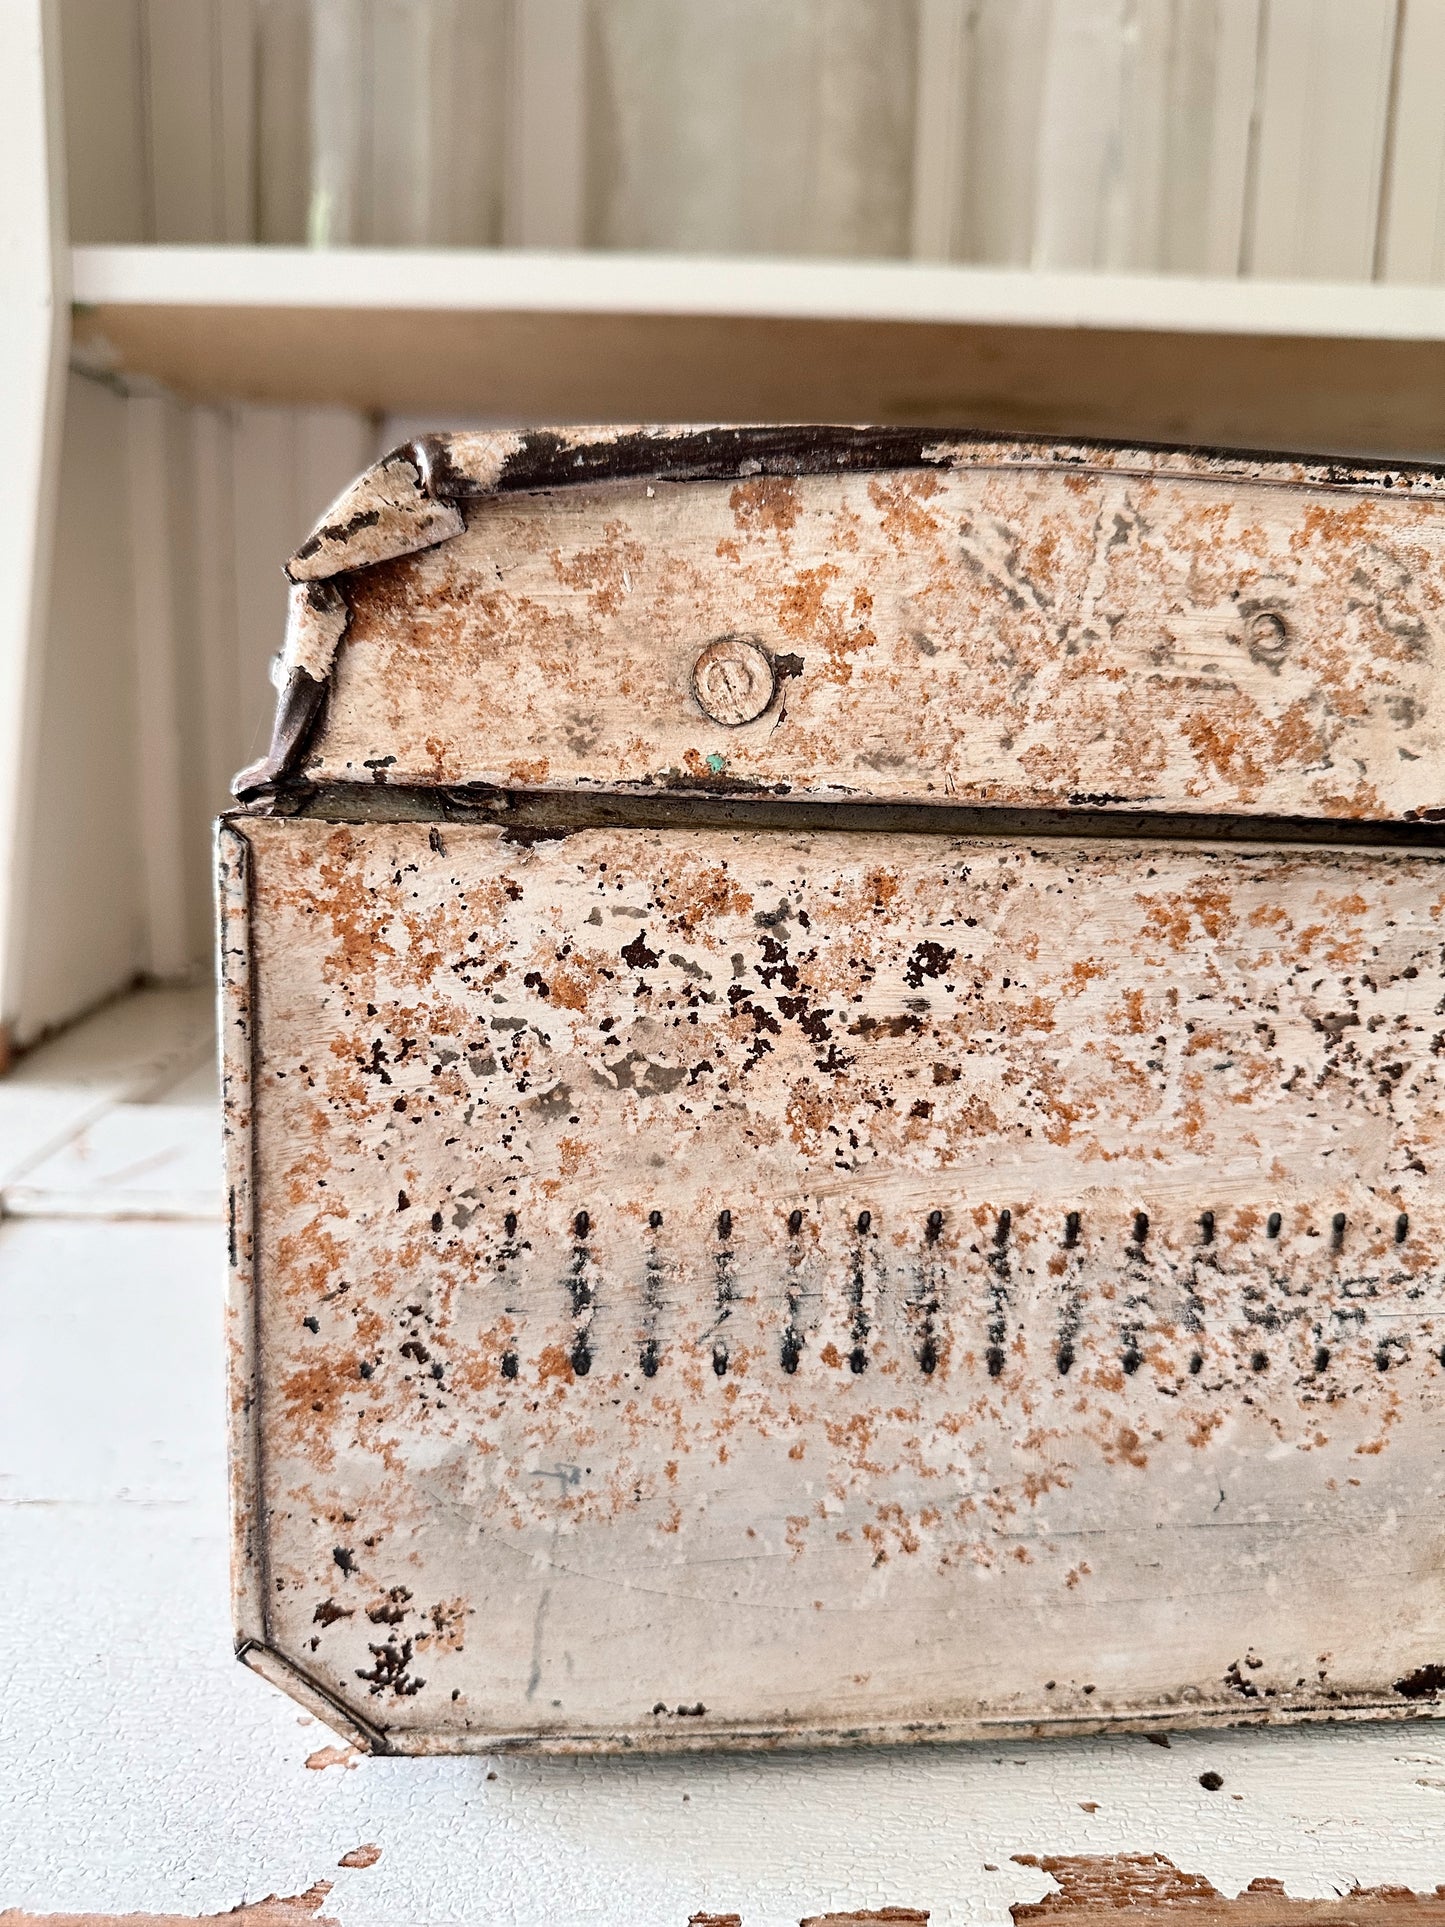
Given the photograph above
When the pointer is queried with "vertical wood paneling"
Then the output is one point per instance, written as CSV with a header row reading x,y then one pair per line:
x,y
937,125
757,126
283,120
233,111
401,122
159,789
435,104
1324,102
1213,215
106,150
338,207
79,917
35,336
1143,134
180,63
1412,240
333,446
1004,47
546,124
469,105
1096,106
215,633
263,531
1199,136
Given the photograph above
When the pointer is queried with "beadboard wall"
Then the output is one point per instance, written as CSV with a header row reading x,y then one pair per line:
x,y
1222,137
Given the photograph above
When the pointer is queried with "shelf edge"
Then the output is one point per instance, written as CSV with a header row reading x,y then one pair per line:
x,y
521,281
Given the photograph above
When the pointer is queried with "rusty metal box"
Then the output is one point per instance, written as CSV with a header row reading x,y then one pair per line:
x,y
833,1074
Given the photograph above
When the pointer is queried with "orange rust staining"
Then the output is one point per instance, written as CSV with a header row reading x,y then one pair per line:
x,y
1178,917
1144,577
529,774
880,889
605,572
568,990
366,1856
555,1363
1083,971
900,501
1125,1447
1335,525
311,1398
343,1756
448,1619
766,505
804,615
1137,1018
698,893
1202,1428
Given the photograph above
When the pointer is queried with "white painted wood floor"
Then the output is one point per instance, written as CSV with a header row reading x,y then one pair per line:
x,y
141,1768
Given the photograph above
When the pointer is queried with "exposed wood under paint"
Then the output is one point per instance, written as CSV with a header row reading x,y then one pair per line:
x,y
290,1910
1148,1890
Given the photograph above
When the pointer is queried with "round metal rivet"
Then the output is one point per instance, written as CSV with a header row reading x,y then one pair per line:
x,y
733,681
1268,630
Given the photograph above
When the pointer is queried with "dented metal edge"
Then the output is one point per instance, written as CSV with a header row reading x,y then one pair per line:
x,y
279,1671
422,1743
555,457
532,816
408,501
300,707
236,1030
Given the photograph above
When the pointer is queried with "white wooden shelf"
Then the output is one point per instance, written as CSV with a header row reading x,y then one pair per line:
x,y
586,335
591,281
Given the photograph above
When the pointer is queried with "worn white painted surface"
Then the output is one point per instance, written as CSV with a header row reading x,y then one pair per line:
x,y
140,1767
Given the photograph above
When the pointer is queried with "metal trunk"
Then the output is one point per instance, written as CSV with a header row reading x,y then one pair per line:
x,y
833,1094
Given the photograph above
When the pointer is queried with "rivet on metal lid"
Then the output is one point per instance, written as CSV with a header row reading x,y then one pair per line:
x,y
733,681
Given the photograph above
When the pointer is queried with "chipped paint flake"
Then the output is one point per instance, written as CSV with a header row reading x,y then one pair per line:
x,y
385,514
